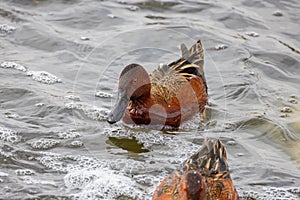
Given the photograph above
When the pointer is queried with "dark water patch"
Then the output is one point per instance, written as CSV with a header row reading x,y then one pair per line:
x,y
130,145
157,6
12,94
10,15
155,17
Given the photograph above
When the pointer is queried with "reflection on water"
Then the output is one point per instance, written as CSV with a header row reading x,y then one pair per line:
x,y
59,67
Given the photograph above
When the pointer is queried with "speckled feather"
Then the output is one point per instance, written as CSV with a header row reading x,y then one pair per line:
x,y
166,80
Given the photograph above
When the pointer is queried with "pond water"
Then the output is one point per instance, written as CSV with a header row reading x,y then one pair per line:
x,y
59,67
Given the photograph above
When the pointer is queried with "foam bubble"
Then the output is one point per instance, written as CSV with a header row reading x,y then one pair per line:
x,y
103,94
117,132
252,34
76,143
43,143
68,134
92,178
13,65
43,77
30,181
3,174
9,135
4,28
101,184
91,112
221,47
72,97
57,162
24,172
53,162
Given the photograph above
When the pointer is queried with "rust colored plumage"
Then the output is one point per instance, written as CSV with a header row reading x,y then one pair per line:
x,y
173,93
204,176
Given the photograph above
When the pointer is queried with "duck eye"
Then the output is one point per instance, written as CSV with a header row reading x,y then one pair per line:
x,y
134,80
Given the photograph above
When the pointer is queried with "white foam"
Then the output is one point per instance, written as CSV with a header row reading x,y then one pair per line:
x,y
3,174
43,77
221,47
68,134
24,172
101,184
9,135
103,94
4,28
252,34
90,178
72,97
91,112
13,65
43,143
76,143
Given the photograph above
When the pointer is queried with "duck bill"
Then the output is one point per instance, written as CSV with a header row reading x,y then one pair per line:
x,y
119,108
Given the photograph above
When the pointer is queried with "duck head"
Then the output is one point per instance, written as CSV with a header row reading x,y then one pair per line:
x,y
134,84
192,186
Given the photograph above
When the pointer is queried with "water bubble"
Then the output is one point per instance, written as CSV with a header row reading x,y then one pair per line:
x,y
221,47
277,13
4,28
43,77
43,143
91,112
103,95
283,115
252,34
3,174
286,110
76,143
84,38
101,184
229,126
111,16
11,115
72,97
39,104
13,65
24,172
293,101
9,135
68,134
231,142
133,8
240,154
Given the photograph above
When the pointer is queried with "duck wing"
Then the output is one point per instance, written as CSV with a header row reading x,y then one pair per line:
x,y
192,61
166,80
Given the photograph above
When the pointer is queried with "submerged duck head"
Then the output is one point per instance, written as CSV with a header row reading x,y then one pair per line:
x,y
134,84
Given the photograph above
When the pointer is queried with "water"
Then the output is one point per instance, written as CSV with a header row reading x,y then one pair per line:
x,y
59,67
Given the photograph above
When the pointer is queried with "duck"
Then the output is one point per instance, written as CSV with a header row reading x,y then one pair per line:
x,y
204,176
172,94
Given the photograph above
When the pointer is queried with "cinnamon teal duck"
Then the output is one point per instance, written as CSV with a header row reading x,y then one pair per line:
x,y
204,176
172,94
